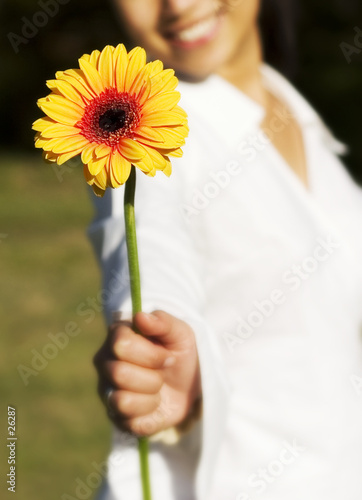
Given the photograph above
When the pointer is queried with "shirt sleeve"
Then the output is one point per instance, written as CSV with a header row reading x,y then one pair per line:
x,y
171,280
169,264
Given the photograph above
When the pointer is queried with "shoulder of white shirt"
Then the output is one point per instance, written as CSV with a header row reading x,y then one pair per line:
x,y
232,113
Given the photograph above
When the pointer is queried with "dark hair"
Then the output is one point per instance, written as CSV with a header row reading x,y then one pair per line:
x,y
278,22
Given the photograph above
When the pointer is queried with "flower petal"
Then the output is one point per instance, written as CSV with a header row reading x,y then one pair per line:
x,y
86,57
168,169
169,144
105,66
88,153
96,165
119,170
49,157
67,156
144,92
154,68
67,90
102,150
144,167
59,130
59,99
177,153
131,150
181,112
137,84
101,179
98,191
41,142
136,61
42,124
88,176
64,112
121,64
67,144
158,159
75,78
92,76
166,81
146,164
149,133
165,101
173,136
94,58
160,119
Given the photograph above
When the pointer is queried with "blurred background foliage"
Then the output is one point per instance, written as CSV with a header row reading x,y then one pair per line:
x,y
46,263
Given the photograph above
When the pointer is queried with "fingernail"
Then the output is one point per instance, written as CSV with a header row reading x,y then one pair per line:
x,y
169,361
151,316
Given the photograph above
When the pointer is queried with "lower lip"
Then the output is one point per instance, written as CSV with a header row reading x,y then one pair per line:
x,y
188,45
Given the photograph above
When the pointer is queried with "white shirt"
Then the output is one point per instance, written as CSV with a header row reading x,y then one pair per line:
x,y
269,276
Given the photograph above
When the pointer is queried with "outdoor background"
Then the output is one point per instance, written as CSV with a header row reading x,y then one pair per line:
x,y
47,266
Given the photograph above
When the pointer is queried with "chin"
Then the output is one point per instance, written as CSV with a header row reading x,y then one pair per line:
x,y
194,72
187,65
191,77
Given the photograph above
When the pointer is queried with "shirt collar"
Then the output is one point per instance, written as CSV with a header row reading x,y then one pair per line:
x,y
302,111
222,107
233,114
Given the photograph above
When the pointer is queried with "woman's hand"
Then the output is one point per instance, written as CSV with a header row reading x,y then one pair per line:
x,y
155,376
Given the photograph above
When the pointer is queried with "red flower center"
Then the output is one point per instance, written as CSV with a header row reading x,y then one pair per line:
x,y
109,117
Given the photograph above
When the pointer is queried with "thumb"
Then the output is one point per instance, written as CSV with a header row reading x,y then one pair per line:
x,y
170,331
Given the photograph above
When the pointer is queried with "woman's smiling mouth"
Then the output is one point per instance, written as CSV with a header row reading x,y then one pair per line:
x,y
196,34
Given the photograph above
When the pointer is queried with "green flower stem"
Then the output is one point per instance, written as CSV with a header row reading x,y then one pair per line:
x,y
131,239
134,274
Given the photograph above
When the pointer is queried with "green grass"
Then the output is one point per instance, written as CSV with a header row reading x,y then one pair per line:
x,y
47,269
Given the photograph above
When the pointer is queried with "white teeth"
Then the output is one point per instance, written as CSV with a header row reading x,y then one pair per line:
x,y
196,31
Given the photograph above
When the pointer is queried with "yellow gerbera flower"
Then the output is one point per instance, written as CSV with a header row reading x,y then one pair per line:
x,y
115,111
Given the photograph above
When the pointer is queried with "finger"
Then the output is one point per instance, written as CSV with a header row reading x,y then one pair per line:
x,y
134,348
160,325
130,377
144,425
116,331
101,356
128,404
104,353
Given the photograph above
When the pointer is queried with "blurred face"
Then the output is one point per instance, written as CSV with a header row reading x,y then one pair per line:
x,y
194,37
